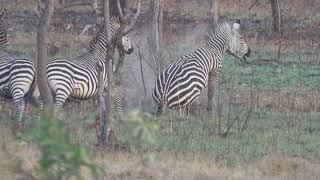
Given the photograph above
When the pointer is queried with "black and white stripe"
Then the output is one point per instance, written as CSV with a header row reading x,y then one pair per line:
x,y
3,31
180,85
17,76
77,78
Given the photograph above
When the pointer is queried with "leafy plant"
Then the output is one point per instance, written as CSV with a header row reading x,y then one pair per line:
x,y
139,129
60,159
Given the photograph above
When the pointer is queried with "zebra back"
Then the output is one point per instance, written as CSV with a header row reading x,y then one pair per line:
x,y
180,85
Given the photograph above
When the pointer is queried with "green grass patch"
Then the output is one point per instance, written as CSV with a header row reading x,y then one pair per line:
x,y
268,132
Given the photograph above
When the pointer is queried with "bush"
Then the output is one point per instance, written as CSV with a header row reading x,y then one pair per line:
x,y
60,159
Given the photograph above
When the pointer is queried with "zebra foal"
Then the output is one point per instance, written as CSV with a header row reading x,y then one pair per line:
x,y
180,85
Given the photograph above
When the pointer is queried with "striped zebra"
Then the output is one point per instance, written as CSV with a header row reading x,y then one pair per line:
x,y
77,78
180,85
3,31
17,76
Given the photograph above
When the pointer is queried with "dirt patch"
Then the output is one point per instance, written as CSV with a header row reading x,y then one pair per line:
x,y
280,166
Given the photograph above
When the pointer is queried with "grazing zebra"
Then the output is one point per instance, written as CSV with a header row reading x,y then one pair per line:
x,y
77,78
17,76
180,85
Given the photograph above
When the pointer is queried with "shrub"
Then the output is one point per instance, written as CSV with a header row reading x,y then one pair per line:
x,y
60,159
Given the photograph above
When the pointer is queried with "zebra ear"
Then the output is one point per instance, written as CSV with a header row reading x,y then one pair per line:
x,y
236,25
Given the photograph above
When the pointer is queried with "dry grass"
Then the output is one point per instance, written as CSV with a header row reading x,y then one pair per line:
x,y
17,159
283,101
21,161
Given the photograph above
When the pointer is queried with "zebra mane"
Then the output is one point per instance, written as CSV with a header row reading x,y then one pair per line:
x,y
91,46
217,27
114,21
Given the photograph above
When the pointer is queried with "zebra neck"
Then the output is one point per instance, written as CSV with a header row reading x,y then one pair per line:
x,y
3,36
216,44
104,72
101,37
100,49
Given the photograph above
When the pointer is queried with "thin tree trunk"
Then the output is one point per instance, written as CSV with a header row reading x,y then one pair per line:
x,y
42,56
102,132
114,8
106,107
214,11
156,13
95,7
275,8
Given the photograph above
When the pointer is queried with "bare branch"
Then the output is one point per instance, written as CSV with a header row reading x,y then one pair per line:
x,y
135,18
120,10
251,103
141,70
253,4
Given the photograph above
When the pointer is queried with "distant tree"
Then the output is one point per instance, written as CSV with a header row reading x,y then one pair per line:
x,y
276,18
42,56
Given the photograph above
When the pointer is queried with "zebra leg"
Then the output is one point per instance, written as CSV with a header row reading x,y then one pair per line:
x,y
20,105
60,99
212,82
194,107
118,106
160,110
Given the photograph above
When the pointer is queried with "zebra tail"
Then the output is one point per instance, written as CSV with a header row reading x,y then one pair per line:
x,y
33,95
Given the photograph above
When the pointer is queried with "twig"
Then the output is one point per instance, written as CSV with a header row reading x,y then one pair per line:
x,y
251,103
85,29
252,5
141,70
148,63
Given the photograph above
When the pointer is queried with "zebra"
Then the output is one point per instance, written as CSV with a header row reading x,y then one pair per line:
x,y
77,78
17,76
3,31
180,85
4,54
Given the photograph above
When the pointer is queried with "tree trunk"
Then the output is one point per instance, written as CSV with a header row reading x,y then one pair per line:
x,y
106,107
275,8
156,33
114,8
42,56
95,7
214,11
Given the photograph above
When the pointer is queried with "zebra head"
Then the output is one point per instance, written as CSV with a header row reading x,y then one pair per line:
x,y
126,44
236,45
